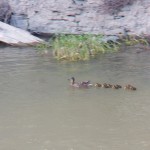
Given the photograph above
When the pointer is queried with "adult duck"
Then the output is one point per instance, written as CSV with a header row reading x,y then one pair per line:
x,y
83,84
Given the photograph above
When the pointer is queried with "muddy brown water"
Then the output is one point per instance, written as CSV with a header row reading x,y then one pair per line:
x,y
39,111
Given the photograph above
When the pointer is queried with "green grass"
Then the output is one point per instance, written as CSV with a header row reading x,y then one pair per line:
x,y
134,40
84,47
80,47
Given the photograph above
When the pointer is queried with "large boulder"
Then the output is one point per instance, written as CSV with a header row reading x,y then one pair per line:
x,y
17,37
5,11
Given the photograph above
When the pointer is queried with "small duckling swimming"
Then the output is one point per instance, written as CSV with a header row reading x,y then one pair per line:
x,y
119,86
115,87
109,85
105,85
133,88
98,85
84,84
130,87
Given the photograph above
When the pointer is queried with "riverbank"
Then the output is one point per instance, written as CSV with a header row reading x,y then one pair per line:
x,y
80,17
128,19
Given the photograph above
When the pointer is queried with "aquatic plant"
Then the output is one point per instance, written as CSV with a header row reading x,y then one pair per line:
x,y
80,47
83,47
131,40
43,46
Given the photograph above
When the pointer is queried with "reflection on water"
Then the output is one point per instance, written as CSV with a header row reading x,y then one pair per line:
x,y
39,111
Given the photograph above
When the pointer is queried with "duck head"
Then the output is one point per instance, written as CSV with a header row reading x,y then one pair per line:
x,y
72,80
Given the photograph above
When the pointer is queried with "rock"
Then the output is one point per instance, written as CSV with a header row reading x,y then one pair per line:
x,y
111,38
82,16
20,21
17,37
5,11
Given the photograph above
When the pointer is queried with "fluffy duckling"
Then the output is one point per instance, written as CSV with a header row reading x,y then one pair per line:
x,y
84,84
109,85
133,88
105,85
119,86
130,87
115,87
98,85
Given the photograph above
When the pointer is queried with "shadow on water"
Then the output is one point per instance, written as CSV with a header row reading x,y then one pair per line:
x,y
38,109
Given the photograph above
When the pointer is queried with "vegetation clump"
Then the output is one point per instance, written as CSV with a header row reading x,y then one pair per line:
x,y
80,47
84,47
131,40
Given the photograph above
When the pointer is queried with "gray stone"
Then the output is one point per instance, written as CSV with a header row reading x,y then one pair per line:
x,y
111,38
20,21
83,16
5,11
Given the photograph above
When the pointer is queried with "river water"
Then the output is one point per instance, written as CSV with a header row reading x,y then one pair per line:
x,y
39,111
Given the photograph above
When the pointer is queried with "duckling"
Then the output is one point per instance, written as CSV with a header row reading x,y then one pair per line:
x,y
104,85
115,87
133,88
119,86
130,87
98,85
84,84
127,87
109,85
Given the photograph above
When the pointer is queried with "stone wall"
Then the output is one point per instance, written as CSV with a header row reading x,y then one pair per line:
x,y
5,11
79,16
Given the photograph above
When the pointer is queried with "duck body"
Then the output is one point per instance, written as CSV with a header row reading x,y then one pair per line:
x,y
83,84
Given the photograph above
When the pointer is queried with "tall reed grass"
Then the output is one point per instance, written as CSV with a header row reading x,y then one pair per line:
x,y
84,47
80,47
